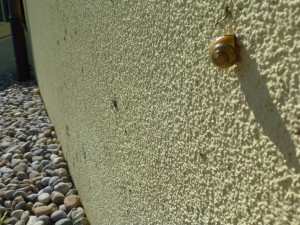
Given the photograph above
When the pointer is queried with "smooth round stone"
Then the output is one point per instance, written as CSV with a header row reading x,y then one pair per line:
x,y
25,217
33,175
44,198
81,221
50,173
32,220
57,182
5,169
31,197
53,146
37,204
39,185
45,181
58,160
43,210
37,158
22,175
17,213
6,156
21,167
10,221
38,152
71,201
48,189
41,140
21,205
45,219
62,207
17,193
45,162
27,155
39,223
37,166
29,206
62,188
52,180
7,204
57,197
64,222
2,192
8,195
61,172
58,215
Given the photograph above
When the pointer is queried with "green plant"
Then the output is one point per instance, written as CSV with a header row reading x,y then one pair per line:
x,y
2,218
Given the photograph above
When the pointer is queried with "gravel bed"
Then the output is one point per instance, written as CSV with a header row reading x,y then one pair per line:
x,y
35,185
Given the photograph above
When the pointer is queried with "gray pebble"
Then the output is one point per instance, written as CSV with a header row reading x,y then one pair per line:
x,y
53,146
17,193
22,175
38,152
57,182
20,223
72,192
5,169
2,186
58,215
48,189
37,158
57,197
39,185
21,167
61,172
31,197
44,198
45,181
6,156
32,220
62,188
64,222
33,174
9,194
52,180
36,165
25,217
46,219
45,162
10,221
28,155
20,205
7,204
50,173
39,223
17,213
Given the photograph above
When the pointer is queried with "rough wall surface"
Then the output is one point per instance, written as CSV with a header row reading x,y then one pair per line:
x,y
154,134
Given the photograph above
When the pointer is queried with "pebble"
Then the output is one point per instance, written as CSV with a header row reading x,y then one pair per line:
x,y
58,215
44,198
17,213
71,201
64,222
43,210
35,183
62,188
25,216
57,197
45,219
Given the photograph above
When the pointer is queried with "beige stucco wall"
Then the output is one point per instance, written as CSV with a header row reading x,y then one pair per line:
x,y
188,143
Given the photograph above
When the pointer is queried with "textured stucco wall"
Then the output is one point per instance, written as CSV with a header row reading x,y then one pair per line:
x,y
154,134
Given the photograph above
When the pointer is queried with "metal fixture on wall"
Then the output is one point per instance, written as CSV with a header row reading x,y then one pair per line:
x,y
18,36
224,51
